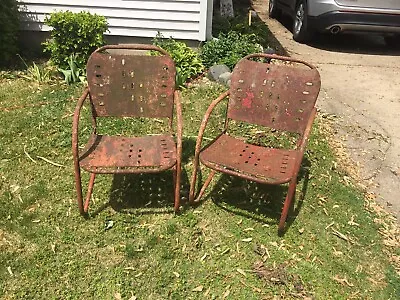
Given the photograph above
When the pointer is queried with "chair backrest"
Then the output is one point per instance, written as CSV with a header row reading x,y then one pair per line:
x,y
278,96
131,85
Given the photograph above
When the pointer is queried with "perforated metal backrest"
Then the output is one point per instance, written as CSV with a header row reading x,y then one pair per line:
x,y
276,96
131,85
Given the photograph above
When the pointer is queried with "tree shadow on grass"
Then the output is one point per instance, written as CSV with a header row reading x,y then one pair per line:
x,y
260,202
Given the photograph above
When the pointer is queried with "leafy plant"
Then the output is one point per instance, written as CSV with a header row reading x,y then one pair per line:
x,y
36,72
74,33
229,48
75,73
187,61
9,25
240,24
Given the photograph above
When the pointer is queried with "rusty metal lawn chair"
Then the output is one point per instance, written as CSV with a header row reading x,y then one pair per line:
x,y
126,85
278,96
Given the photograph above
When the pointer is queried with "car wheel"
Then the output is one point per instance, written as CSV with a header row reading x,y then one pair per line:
x,y
273,10
393,40
301,32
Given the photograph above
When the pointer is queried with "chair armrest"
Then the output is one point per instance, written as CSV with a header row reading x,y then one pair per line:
x,y
307,131
75,124
304,141
200,138
178,106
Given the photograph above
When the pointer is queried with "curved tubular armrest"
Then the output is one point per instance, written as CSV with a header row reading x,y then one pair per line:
x,y
133,47
304,140
285,58
179,121
199,140
75,124
307,131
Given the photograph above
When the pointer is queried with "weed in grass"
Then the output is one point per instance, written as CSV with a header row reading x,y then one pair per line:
x,y
152,240
171,228
131,251
190,221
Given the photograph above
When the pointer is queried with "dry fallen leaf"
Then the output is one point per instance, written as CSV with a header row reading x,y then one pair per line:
x,y
241,272
352,223
248,229
331,224
198,289
340,235
226,294
203,257
342,281
247,240
9,271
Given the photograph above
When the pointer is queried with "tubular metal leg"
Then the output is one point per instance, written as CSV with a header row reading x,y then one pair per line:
x,y
205,185
89,192
288,201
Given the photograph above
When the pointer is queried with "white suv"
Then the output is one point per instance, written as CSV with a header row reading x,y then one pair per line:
x,y
335,16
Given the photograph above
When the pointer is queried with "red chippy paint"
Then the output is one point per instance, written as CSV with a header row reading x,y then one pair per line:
x,y
246,102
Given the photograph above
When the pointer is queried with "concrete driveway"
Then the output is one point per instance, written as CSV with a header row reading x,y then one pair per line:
x,y
361,89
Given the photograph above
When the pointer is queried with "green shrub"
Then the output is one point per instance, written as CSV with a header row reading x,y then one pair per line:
x,y
229,48
9,25
76,34
187,61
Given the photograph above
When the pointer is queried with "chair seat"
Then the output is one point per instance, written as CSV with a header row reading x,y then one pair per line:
x,y
119,154
261,164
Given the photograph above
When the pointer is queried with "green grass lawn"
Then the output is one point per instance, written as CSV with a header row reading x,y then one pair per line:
x,y
134,247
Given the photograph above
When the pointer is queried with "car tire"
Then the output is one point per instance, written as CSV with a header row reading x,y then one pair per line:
x,y
273,11
392,41
301,31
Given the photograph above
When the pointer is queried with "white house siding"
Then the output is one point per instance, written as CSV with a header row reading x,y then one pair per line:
x,y
181,19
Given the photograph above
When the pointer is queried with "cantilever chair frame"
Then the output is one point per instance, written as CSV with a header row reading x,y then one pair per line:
x,y
176,166
300,145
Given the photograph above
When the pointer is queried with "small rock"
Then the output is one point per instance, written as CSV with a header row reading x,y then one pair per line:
x,y
224,78
215,71
269,50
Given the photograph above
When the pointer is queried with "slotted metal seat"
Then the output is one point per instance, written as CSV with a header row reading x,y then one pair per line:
x,y
233,156
277,96
129,85
105,153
